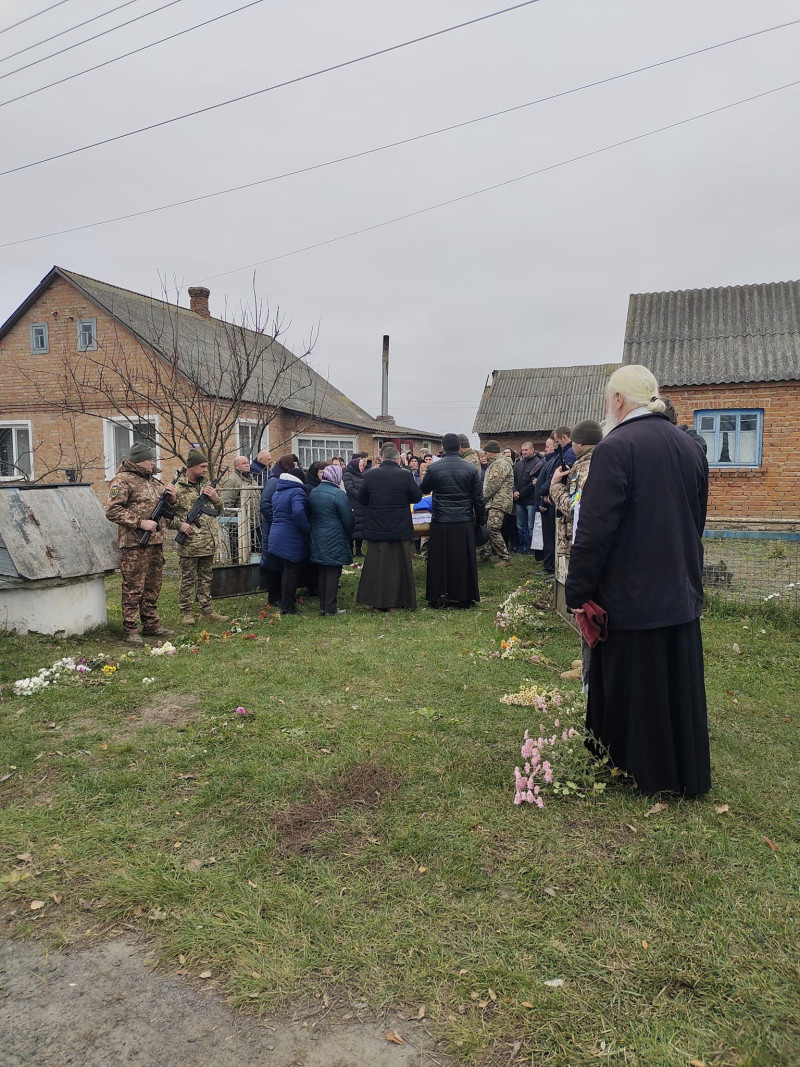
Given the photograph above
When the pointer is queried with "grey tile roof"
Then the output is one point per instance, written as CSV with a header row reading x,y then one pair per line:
x,y
540,398
204,352
742,333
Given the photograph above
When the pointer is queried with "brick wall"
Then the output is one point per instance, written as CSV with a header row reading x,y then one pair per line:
x,y
33,389
767,493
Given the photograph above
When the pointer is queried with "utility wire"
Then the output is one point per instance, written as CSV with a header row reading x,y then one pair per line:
x,y
44,11
504,184
70,29
271,88
126,55
393,144
97,36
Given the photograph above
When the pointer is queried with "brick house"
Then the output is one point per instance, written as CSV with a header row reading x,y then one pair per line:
x,y
528,404
729,360
65,414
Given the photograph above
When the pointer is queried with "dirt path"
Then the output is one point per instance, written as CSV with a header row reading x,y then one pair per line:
x,y
102,1007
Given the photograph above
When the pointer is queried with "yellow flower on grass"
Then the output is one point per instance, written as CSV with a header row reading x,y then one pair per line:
x,y
108,669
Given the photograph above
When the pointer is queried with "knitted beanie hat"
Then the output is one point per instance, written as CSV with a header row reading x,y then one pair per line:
x,y
141,452
195,458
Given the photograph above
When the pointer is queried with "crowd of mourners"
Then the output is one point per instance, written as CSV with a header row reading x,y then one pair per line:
x,y
614,513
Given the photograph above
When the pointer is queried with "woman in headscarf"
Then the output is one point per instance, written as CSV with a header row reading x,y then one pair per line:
x,y
331,530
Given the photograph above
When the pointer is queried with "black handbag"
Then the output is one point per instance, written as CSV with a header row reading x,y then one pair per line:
x,y
481,535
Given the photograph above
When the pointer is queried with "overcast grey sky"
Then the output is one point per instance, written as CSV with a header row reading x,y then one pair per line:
x,y
534,274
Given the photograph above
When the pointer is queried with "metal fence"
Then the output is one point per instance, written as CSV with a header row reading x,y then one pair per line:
x,y
751,567
240,531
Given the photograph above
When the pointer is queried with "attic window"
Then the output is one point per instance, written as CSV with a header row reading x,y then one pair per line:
x,y
87,335
40,341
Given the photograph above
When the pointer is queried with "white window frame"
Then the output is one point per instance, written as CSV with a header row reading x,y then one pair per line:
x,y
13,424
264,442
335,448
40,351
109,422
81,323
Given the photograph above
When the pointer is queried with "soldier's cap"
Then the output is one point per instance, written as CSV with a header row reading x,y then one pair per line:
x,y
195,458
141,452
492,446
587,432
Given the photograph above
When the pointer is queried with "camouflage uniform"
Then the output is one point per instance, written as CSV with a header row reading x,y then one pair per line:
x,y
471,456
498,493
196,555
231,488
132,496
565,495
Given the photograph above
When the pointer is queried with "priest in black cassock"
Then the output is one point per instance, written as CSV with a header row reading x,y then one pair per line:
x,y
638,555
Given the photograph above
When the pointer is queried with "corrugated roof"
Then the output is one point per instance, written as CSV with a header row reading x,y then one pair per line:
x,y
204,353
742,333
537,399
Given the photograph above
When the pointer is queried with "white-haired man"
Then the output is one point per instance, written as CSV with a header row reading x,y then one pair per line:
x,y
638,555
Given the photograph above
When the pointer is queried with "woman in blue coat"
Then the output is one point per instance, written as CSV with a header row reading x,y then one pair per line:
x,y
271,566
288,535
332,526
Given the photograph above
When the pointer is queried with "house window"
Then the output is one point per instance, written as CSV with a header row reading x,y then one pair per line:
x,y
733,437
310,449
40,341
16,458
249,442
121,435
87,335
425,446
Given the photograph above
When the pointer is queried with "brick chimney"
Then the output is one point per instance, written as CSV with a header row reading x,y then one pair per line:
x,y
198,300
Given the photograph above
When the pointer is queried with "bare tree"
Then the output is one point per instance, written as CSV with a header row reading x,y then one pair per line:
x,y
70,460
199,376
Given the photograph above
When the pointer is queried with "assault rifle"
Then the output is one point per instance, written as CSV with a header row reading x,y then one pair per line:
x,y
561,463
198,509
163,507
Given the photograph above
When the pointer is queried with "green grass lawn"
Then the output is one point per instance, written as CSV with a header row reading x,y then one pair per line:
x,y
365,843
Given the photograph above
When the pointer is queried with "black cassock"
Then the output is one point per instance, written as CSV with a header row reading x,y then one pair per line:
x,y
638,554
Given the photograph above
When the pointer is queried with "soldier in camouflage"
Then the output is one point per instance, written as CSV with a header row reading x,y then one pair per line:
x,y
196,555
498,494
133,494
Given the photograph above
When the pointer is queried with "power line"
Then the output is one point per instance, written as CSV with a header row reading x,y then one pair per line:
x,y
503,184
97,36
70,29
126,55
393,144
28,18
271,88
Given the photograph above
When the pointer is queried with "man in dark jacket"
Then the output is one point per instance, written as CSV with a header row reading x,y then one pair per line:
x,y
552,460
353,477
638,555
525,471
386,494
457,505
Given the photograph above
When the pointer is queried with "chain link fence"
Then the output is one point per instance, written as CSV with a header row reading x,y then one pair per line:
x,y
750,567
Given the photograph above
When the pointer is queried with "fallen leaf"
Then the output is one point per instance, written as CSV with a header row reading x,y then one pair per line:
x,y
194,865
483,1004
19,874
104,746
50,726
25,857
631,827
554,983
645,944
36,904
771,844
254,996
252,885
527,1004
181,960
656,809
422,870
550,891
421,1012
696,1063
86,905
492,995
394,1037
177,844
204,974
720,809
56,898
736,648
474,996
463,971
254,974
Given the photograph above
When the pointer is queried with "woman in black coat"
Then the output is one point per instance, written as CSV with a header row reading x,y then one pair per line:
x,y
387,493
353,479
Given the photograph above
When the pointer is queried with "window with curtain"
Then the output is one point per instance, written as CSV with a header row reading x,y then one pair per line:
x,y
733,437
16,458
310,449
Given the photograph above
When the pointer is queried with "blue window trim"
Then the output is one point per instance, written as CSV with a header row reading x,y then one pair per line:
x,y
40,351
716,413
